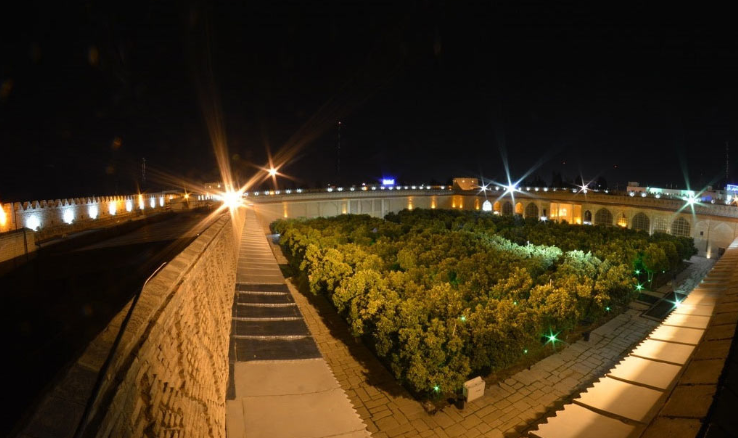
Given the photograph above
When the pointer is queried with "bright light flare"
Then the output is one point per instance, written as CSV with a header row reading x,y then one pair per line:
x,y
92,211
33,222
272,172
232,199
552,338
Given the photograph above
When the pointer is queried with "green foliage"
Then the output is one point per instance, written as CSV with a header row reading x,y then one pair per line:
x,y
442,294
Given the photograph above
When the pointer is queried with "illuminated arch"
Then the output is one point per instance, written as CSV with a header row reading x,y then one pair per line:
x,y
519,208
531,210
641,222
603,217
622,221
680,227
588,216
507,208
497,207
487,206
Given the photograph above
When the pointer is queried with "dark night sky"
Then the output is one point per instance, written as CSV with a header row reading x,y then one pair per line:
x,y
424,91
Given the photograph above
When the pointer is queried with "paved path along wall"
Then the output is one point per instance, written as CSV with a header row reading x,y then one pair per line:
x,y
280,386
665,386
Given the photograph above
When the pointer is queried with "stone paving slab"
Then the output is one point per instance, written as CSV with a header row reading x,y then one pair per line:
x,y
689,321
575,421
274,378
270,328
646,372
621,398
301,415
677,334
275,349
241,311
687,309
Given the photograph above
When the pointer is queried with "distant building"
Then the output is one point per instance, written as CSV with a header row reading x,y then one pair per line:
x,y
706,195
466,184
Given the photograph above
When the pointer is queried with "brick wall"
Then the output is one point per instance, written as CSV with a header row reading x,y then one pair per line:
x,y
54,218
170,371
15,244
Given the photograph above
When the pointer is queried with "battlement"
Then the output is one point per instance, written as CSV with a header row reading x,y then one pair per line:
x,y
54,217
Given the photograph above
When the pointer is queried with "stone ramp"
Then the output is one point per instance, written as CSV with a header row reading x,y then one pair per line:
x,y
280,385
628,398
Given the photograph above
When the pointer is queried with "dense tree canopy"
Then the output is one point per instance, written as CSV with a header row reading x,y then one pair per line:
x,y
442,294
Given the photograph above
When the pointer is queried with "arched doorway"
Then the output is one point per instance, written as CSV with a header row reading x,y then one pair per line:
x,y
531,210
603,217
641,222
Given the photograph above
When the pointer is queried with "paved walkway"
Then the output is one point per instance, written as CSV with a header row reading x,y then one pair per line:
x,y
279,386
626,400
507,408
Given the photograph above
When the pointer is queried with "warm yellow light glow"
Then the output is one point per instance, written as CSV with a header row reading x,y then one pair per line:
x,y
231,199
433,202
272,172
3,217
187,196
409,203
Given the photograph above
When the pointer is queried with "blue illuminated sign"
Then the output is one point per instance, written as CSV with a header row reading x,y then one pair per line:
x,y
388,181
732,188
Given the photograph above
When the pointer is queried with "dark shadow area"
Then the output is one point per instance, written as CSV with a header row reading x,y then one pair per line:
x,y
58,302
721,420
664,306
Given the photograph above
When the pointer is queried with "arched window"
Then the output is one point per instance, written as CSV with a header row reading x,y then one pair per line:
x,y
507,208
603,217
622,220
497,207
519,208
641,222
531,210
588,216
680,227
660,225
487,206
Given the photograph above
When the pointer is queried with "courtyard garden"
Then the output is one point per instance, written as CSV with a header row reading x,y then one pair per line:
x,y
443,295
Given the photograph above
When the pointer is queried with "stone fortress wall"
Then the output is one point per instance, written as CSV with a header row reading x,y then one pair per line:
x,y
170,371
60,216
713,226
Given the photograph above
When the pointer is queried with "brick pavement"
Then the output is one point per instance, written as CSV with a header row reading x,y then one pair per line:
x,y
506,409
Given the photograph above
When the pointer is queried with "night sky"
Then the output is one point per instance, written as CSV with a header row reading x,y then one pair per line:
x,y
425,91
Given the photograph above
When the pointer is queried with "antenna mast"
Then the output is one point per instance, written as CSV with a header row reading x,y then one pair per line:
x,y
338,156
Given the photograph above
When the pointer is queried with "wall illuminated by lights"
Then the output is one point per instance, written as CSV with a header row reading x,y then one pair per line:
x,y
57,217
